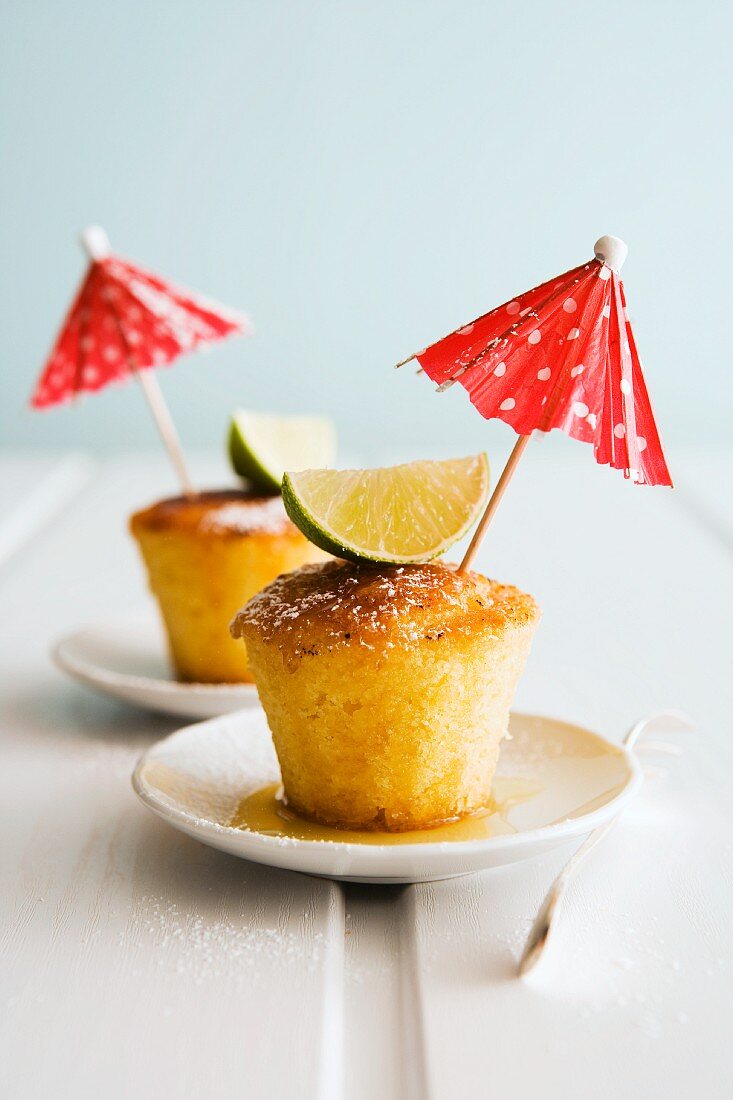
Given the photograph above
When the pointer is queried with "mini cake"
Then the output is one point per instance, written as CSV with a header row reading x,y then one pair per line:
x,y
387,688
205,555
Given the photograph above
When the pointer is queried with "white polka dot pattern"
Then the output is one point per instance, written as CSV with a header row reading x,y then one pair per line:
x,y
124,319
568,339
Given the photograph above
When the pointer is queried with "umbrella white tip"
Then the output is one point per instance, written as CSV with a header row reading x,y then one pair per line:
x,y
95,242
611,251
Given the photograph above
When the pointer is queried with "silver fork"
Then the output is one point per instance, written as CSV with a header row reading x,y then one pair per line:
x,y
547,916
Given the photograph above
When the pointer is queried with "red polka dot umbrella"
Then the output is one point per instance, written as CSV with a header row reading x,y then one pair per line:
x,y
560,356
125,321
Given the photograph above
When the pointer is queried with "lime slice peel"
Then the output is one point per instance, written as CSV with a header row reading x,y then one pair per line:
x,y
262,446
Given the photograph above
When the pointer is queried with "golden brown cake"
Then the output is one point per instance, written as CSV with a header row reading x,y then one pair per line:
x,y
205,556
387,688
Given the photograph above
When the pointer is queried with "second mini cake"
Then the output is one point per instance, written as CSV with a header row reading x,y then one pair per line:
x,y
205,555
387,688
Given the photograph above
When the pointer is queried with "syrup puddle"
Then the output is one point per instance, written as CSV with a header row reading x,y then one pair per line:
x,y
265,812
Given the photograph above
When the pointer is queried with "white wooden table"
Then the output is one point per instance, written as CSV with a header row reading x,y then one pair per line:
x,y
138,963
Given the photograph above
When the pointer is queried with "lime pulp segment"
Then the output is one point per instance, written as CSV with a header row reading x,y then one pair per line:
x,y
399,514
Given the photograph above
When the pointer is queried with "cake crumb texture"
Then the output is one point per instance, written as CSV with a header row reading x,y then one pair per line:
x,y
205,556
387,689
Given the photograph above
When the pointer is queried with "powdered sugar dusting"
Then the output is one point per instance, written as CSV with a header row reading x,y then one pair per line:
x,y
206,949
218,512
267,515
378,605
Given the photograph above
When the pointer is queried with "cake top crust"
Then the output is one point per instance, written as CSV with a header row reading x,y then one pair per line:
x,y
223,511
337,603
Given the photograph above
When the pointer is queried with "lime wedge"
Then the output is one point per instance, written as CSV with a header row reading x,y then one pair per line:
x,y
404,513
263,447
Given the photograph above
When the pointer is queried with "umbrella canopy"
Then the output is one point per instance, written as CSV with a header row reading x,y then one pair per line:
x,y
561,356
124,320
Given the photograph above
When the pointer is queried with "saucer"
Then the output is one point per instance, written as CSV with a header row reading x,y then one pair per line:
x,y
573,781
127,658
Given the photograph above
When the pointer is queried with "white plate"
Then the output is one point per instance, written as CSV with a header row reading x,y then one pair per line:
x,y
196,778
128,658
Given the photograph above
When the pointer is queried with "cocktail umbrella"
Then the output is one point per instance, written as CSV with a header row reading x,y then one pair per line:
x,y
126,321
560,356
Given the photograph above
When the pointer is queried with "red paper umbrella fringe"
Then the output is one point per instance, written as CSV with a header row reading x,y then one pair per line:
x,y
125,319
561,356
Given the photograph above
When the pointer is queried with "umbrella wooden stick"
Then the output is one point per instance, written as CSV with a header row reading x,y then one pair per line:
x,y
166,427
96,244
493,504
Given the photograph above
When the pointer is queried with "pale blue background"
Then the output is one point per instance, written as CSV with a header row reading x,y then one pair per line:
x,y
361,178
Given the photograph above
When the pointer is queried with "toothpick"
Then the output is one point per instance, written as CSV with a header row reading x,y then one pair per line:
x,y
166,427
493,504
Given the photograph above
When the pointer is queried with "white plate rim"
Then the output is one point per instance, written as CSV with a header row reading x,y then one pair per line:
x,y
96,676
559,831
